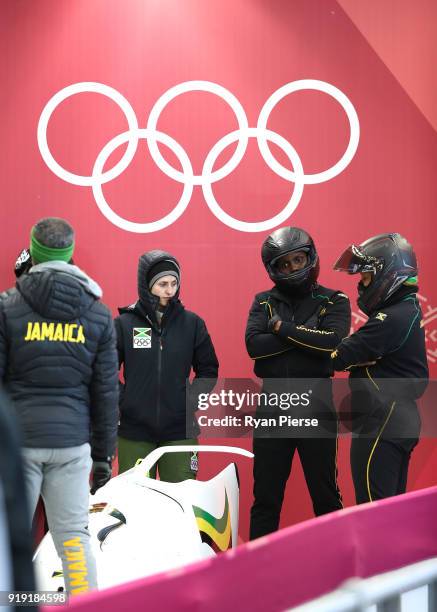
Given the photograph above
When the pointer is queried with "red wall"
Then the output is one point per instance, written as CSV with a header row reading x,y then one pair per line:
x,y
142,48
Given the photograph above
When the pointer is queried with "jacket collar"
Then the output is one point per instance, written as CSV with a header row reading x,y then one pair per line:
x,y
148,311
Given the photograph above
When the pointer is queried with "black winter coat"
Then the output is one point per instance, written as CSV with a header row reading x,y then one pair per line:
x,y
155,404
156,368
58,360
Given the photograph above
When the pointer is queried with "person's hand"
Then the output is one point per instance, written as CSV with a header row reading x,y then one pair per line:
x,y
274,322
101,473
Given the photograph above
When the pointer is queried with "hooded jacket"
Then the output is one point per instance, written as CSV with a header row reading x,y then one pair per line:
x,y
58,359
157,361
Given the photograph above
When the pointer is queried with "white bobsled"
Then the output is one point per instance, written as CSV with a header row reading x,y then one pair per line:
x,y
140,526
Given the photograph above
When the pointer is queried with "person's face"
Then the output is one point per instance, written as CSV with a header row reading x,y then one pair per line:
x,y
165,288
292,262
366,278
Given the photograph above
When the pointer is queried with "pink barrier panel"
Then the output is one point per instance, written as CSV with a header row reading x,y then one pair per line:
x,y
291,566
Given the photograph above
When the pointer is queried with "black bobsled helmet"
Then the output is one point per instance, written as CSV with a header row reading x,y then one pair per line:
x,y
281,242
391,261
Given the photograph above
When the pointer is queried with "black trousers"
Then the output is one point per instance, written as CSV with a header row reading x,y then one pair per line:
x,y
380,467
272,466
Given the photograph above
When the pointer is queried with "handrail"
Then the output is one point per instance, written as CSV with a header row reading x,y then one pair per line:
x,y
357,594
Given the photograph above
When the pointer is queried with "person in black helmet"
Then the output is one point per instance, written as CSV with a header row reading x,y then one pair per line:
x,y
387,362
291,331
159,342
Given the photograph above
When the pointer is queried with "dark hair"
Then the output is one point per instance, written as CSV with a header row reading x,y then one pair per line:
x,y
54,233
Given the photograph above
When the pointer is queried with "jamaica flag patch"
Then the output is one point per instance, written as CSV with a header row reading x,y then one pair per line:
x,y
142,337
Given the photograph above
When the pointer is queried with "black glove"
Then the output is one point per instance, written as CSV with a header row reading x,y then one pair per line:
x,y
272,322
102,471
273,317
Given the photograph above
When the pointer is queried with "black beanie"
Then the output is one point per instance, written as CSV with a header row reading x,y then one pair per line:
x,y
162,268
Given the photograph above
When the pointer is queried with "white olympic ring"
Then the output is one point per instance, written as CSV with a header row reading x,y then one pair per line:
x,y
131,226
105,90
245,226
208,176
219,91
320,177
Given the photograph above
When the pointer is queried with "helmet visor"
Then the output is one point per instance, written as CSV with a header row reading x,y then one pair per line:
x,y
354,260
276,262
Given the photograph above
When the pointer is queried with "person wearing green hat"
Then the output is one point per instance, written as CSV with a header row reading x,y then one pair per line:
x,y
42,253
58,363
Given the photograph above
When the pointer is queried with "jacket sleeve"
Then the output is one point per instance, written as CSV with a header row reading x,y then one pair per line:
x,y
120,352
380,335
205,364
15,502
104,395
335,325
120,343
259,342
3,344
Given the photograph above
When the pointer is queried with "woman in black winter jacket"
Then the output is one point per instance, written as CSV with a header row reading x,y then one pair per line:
x,y
159,343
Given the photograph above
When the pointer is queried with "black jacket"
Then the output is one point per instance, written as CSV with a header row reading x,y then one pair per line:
x,y
388,367
13,493
58,360
157,362
392,337
312,326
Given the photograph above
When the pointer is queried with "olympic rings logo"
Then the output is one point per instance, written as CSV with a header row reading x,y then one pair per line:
x,y
209,176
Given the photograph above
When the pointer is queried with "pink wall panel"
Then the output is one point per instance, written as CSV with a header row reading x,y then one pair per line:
x,y
288,568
